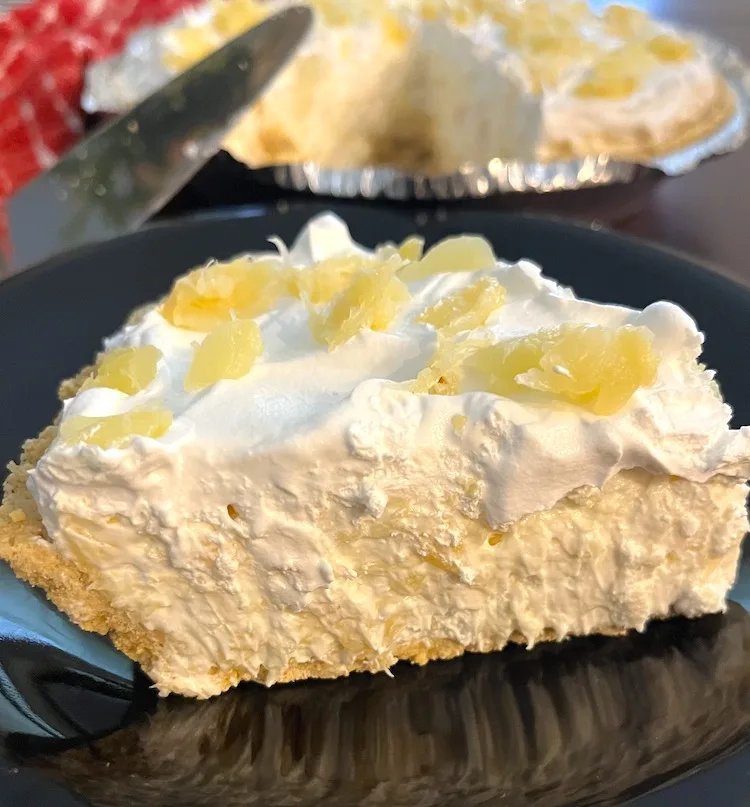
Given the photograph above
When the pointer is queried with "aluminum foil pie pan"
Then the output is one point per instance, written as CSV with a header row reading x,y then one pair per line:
x,y
116,84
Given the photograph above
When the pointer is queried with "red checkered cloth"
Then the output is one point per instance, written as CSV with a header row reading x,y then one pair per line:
x,y
44,49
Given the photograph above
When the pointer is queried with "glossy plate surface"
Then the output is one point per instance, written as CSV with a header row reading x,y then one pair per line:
x,y
661,718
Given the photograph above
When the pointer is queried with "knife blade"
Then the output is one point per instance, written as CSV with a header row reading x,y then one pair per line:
x,y
115,180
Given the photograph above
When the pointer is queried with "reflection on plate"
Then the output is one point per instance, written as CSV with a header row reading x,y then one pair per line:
x,y
586,722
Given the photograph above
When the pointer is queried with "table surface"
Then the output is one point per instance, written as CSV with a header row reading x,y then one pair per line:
x,y
707,212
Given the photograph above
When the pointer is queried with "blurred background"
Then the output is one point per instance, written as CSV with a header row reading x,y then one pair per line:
x,y
703,212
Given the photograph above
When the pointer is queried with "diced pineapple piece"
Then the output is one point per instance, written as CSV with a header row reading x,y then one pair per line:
x,y
467,308
592,366
461,15
671,49
339,13
372,300
598,368
320,283
228,352
411,248
210,295
552,45
537,12
459,423
461,253
499,365
445,372
625,21
618,73
610,89
128,369
431,10
502,14
116,431
576,10
186,46
396,31
232,18
631,59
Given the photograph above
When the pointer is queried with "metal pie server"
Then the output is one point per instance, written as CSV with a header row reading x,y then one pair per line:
x,y
114,181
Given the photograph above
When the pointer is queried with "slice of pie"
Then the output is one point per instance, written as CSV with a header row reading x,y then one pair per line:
x,y
310,462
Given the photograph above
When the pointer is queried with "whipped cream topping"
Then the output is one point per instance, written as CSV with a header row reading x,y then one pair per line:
x,y
301,399
313,447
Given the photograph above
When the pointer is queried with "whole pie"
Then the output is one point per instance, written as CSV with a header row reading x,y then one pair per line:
x,y
429,85
327,459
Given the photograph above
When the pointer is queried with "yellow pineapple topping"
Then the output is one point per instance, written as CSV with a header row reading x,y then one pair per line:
x,y
410,249
466,309
461,253
320,283
618,74
372,300
115,431
228,352
499,365
396,31
444,374
595,367
189,44
625,22
212,294
671,48
128,369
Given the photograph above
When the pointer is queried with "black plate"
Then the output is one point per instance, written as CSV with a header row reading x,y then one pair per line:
x,y
596,721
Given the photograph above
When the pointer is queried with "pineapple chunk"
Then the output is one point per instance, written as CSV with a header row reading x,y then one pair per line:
x,y
633,59
321,283
461,253
229,351
116,431
128,369
431,10
236,16
467,309
671,49
208,296
335,12
625,22
186,46
459,423
445,372
618,73
372,300
610,89
189,44
396,31
594,367
499,365
576,10
411,248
